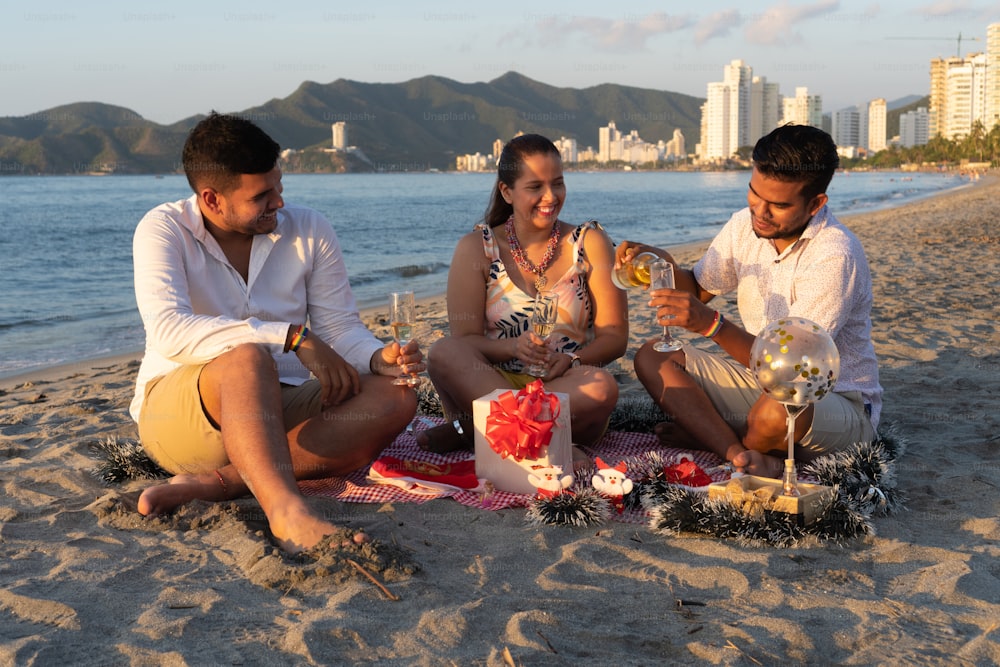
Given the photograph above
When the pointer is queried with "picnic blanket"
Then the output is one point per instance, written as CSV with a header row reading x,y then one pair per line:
x,y
615,446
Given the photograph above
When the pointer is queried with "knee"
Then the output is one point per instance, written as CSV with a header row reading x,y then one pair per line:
x,y
767,418
598,394
395,404
649,363
249,353
248,358
447,356
606,388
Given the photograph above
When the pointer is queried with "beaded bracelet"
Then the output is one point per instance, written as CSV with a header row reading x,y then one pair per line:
x,y
716,327
298,337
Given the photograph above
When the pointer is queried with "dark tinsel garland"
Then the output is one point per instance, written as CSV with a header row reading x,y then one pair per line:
x,y
585,507
863,477
122,460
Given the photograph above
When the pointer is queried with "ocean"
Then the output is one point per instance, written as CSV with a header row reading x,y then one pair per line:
x,y
65,241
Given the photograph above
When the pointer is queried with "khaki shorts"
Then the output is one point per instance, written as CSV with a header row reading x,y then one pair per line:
x,y
840,419
177,434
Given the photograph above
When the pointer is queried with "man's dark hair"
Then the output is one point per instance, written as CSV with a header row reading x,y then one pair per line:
x,y
798,153
220,148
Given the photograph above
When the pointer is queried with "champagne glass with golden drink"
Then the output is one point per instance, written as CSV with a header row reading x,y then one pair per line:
x,y
402,314
661,276
543,321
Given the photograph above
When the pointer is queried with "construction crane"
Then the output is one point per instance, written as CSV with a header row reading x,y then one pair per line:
x,y
958,52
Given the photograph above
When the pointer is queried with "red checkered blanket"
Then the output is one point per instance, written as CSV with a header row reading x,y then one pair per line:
x,y
614,447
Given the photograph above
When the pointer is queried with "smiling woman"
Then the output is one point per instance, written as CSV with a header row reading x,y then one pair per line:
x,y
496,278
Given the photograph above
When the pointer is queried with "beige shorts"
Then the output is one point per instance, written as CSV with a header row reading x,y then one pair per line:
x,y
840,419
177,434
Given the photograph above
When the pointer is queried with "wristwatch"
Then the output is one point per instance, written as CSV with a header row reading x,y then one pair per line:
x,y
575,360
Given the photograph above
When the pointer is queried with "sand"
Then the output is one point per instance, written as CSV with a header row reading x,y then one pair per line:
x,y
86,581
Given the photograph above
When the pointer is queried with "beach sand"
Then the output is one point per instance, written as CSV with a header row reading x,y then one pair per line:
x,y
86,581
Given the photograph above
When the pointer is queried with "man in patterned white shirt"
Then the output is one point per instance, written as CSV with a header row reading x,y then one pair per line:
x,y
785,255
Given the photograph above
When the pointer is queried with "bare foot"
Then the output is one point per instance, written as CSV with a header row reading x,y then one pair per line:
x,y
442,439
756,463
296,527
165,498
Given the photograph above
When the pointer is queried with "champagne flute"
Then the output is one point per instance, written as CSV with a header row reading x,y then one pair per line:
x,y
661,275
402,313
543,321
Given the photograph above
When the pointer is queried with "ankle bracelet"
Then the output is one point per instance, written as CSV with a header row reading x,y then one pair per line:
x,y
222,481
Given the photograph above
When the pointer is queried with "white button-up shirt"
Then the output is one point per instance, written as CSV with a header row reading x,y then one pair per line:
x,y
195,306
822,277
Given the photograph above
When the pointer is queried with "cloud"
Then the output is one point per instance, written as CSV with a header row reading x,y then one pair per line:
x,y
623,35
776,25
944,9
717,24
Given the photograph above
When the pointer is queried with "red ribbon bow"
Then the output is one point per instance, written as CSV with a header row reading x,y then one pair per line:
x,y
520,425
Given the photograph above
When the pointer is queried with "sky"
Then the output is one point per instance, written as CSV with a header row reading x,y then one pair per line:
x,y
167,61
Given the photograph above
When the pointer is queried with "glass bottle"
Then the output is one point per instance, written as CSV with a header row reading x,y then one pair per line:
x,y
634,273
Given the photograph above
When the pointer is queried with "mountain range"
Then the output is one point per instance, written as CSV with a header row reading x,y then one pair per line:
x,y
410,126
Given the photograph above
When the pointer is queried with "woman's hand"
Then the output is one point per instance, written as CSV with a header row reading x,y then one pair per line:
x,y
531,350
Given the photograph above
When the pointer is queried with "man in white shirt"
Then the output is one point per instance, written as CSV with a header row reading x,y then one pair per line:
x,y
785,255
258,370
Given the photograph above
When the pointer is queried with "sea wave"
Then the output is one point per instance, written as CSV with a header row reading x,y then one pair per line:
x,y
62,318
395,272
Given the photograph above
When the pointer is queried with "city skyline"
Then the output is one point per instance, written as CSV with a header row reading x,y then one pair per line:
x,y
168,64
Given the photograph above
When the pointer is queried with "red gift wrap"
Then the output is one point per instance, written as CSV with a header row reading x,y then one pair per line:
x,y
519,426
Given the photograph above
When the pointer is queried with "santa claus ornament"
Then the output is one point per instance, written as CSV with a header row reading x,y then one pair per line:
x,y
612,483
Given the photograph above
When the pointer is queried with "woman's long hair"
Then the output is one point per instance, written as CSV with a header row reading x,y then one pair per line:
x,y
509,169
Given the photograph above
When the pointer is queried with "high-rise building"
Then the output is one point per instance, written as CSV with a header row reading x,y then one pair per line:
x,y
803,109
765,108
939,94
567,149
914,127
876,125
846,127
675,148
991,115
960,94
339,136
965,89
726,113
609,143
716,112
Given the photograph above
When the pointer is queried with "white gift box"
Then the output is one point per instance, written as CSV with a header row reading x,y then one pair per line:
x,y
507,474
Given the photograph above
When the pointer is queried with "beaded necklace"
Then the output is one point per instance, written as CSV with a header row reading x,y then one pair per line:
x,y
521,257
